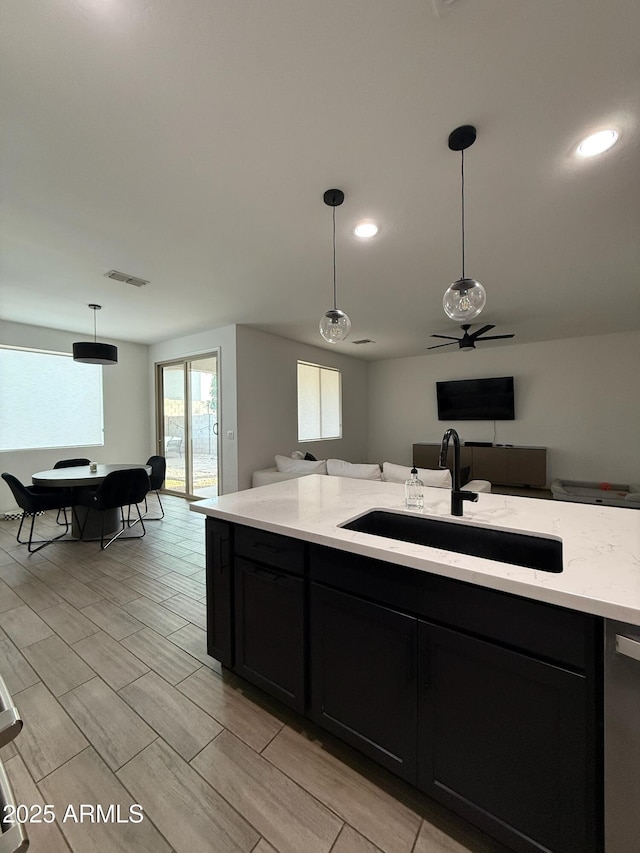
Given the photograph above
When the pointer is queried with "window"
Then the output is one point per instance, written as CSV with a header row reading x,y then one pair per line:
x,y
48,400
319,402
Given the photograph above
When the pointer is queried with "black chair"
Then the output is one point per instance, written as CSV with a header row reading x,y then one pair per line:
x,y
156,480
69,463
117,490
72,463
33,500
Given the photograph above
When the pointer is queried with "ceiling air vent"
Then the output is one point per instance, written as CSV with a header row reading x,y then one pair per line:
x,y
363,341
126,278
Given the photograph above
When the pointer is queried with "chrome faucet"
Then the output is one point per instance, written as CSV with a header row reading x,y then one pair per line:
x,y
457,496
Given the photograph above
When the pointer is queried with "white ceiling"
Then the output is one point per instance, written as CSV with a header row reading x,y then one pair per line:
x,y
190,143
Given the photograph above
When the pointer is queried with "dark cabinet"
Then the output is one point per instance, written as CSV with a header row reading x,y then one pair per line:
x,y
503,739
269,633
488,702
219,591
526,466
509,466
490,463
363,681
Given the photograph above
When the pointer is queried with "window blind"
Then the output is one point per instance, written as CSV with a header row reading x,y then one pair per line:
x,y
48,400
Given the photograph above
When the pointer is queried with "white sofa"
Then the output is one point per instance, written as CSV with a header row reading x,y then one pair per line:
x,y
287,468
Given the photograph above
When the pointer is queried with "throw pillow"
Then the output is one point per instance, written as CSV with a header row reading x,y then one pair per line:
x,y
310,458
359,471
287,465
438,477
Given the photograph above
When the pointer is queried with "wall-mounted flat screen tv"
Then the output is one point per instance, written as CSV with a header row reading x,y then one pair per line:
x,y
476,399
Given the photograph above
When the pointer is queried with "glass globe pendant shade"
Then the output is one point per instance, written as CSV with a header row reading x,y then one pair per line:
x,y
464,299
335,326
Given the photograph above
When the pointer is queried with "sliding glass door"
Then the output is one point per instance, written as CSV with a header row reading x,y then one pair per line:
x,y
203,424
187,418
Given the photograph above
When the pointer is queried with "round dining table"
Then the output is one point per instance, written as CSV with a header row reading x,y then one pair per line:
x,y
82,476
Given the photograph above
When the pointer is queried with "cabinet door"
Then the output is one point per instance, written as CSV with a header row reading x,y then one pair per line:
x,y
219,592
363,679
270,631
526,466
503,740
490,463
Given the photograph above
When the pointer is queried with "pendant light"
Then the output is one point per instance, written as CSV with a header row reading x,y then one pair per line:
x,y
466,297
335,325
92,352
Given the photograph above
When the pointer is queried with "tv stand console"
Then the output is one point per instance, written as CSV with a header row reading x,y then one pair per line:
x,y
503,465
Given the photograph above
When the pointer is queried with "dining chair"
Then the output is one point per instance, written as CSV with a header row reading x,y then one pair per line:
x,y
156,480
33,500
72,463
117,490
68,463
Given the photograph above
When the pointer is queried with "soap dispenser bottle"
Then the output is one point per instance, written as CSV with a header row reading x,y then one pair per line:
x,y
413,495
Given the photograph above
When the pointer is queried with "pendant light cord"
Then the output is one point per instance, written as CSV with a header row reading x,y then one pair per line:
x,y
335,297
462,194
95,336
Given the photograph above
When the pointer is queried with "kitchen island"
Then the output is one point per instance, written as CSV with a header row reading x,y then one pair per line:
x,y
478,681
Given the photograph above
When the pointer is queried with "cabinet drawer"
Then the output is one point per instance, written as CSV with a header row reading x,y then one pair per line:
x,y
270,548
543,630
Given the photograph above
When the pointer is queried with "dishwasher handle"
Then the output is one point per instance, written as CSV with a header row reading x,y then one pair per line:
x,y
14,838
628,647
10,722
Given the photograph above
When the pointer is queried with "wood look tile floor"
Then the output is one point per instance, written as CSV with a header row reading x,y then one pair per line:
x,y
105,656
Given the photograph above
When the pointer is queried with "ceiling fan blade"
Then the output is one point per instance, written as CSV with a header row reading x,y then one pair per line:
x,y
481,331
445,337
437,346
496,337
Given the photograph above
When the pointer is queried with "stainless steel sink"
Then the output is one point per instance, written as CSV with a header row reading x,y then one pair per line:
x,y
518,549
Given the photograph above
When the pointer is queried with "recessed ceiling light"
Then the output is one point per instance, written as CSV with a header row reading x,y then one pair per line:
x,y
597,143
366,229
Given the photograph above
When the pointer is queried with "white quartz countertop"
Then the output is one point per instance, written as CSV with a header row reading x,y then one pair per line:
x,y
601,545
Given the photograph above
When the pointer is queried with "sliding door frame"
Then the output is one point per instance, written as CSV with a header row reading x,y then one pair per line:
x,y
185,362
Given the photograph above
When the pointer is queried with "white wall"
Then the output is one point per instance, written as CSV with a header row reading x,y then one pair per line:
x,y
224,341
267,402
126,408
578,397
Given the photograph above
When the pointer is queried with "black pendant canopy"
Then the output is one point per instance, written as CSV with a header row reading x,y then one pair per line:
x,y
462,137
93,352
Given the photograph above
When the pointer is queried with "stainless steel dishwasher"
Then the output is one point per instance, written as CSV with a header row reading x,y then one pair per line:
x,y
622,737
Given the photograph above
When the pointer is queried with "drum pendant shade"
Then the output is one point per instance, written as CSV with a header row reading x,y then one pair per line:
x,y
93,352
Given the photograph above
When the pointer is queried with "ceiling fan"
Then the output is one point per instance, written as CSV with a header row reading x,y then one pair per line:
x,y
468,341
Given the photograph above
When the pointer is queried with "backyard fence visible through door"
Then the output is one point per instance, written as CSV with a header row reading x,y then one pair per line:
x,y
187,424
